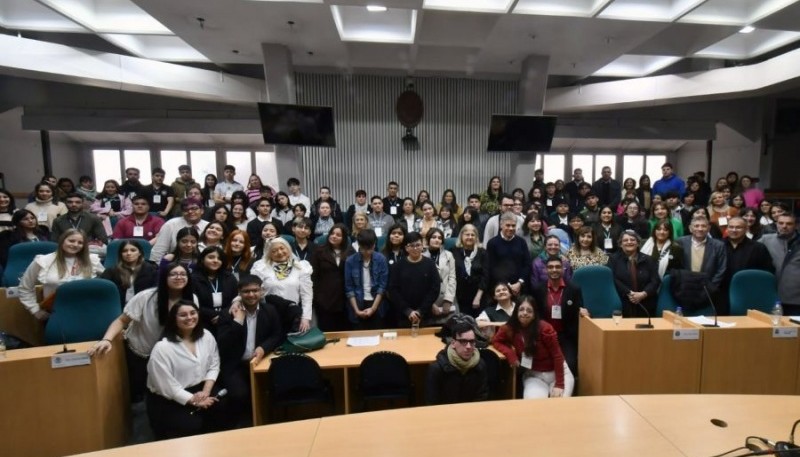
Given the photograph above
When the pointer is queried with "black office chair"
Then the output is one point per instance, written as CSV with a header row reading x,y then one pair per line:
x,y
296,379
385,375
494,372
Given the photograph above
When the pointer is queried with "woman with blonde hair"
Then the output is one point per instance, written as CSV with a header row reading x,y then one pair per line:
x,y
70,262
470,258
720,212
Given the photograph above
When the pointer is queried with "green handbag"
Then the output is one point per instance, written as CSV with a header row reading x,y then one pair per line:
x,y
309,341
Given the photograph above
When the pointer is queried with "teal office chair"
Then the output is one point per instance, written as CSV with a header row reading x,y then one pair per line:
x,y
288,238
20,257
597,286
321,240
753,289
450,243
381,243
667,301
112,251
82,311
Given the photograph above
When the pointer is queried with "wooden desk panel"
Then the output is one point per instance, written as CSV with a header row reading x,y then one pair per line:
x,y
18,321
685,420
602,426
621,359
293,439
746,359
53,412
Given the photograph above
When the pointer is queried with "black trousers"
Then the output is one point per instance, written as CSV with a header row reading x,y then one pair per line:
x,y
137,374
237,381
169,419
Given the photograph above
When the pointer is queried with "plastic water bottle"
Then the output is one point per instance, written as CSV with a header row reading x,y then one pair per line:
x,y
678,321
777,313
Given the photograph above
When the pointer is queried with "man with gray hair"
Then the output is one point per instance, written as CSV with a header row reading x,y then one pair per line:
x,y
784,247
492,227
508,258
742,254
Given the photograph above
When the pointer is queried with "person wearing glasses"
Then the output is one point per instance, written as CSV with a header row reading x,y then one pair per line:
x,y
192,217
492,228
413,284
143,320
458,375
635,276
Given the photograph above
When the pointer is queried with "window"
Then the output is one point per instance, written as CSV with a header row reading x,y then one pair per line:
x,y
138,158
203,163
586,163
267,169
106,166
242,160
652,167
553,165
170,161
604,160
632,167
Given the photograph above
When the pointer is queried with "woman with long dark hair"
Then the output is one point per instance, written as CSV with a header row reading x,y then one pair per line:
x,y
7,208
132,273
207,191
393,249
644,193
143,321
45,206
490,198
213,285
531,344
283,211
449,199
268,233
186,252
328,278
239,254
111,206
661,246
25,230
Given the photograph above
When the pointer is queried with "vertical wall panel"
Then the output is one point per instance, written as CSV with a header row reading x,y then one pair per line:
x,y
369,153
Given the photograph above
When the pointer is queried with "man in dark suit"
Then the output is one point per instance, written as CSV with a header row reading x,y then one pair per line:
x,y
703,254
560,304
247,334
608,190
742,254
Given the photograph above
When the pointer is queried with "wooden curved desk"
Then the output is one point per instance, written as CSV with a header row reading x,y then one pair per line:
x,y
647,425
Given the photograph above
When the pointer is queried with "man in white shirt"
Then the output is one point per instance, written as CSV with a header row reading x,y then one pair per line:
x,y
296,196
493,224
166,242
225,189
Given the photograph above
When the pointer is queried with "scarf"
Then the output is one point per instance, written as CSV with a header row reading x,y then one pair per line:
x,y
664,256
283,270
463,366
468,260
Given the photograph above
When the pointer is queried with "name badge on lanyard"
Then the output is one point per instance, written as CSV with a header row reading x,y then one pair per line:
x,y
555,312
138,230
217,299
608,244
526,361
157,198
42,216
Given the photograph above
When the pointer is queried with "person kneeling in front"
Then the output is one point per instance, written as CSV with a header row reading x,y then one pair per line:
x,y
248,333
183,368
530,343
458,375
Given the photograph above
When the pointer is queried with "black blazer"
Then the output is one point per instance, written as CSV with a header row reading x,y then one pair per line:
x,y
468,286
145,279
646,278
232,336
571,304
202,288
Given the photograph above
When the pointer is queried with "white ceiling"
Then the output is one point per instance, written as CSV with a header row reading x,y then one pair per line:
x,y
467,37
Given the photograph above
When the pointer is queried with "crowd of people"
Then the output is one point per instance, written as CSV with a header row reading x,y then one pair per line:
x,y
233,268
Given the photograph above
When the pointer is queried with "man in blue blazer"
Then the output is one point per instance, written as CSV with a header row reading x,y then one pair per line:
x,y
704,254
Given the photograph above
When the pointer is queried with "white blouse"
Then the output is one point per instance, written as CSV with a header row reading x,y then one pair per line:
x,y
144,330
172,367
296,287
44,271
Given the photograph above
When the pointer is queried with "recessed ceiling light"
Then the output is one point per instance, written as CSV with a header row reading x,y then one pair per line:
x,y
747,29
376,8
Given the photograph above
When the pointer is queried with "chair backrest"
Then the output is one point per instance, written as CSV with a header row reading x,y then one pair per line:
x,y
112,252
667,301
384,370
753,289
321,240
20,257
288,238
380,244
597,287
450,243
492,362
292,374
82,311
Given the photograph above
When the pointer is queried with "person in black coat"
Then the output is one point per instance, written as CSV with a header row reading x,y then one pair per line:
x,y
636,291
458,375
413,284
742,254
560,303
214,286
470,261
132,273
238,347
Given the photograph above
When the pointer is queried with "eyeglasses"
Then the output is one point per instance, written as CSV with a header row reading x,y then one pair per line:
x,y
177,275
192,208
415,246
249,291
465,342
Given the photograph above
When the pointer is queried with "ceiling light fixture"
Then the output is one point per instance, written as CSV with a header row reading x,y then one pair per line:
x,y
376,8
747,29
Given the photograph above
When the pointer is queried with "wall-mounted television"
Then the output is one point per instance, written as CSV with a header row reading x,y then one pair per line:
x,y
297,124
521,133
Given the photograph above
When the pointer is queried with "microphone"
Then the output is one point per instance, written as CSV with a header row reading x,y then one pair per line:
x,y
64,342
649,323
713,306
219,395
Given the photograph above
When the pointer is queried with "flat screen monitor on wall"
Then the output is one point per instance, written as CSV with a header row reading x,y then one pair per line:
x,y
519,133
297,124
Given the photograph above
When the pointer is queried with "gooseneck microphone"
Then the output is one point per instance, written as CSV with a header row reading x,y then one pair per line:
x,y
65,350
649,323
713,306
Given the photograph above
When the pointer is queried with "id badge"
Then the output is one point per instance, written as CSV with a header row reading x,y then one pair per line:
x,y
128,294
378,231
555,312
107,204
157,198
608,244
393,210
138,230
723,220
228,195
217,299
526,361
549,202
42,216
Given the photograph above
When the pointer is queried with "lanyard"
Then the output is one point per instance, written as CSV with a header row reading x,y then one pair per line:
x,y
76,225
215,285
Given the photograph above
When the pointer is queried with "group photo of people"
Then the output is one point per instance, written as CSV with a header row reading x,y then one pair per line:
x,y
214,274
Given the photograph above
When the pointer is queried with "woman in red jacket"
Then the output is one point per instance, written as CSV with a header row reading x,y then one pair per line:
x,y
531,344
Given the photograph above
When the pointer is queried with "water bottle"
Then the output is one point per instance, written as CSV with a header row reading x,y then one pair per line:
x,y
777,313
678,321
